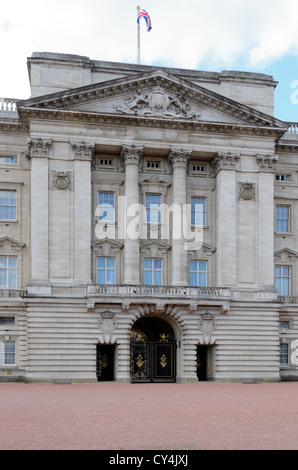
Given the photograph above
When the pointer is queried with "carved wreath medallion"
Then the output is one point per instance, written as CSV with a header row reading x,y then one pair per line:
x,y
61,179
107,322
247,191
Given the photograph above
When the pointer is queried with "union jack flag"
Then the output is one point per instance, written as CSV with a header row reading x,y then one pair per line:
x,y
144,14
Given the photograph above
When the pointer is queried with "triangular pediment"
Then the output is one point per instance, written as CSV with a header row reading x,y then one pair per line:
x,y
152,96
285,252
12,242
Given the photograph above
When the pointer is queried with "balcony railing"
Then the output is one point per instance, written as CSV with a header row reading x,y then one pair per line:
x,y
8,105
8,293
156,291
288,299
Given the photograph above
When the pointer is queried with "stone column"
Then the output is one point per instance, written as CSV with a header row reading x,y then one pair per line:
x,y
38,154
179,160
224,166
265,241
131,156
83,154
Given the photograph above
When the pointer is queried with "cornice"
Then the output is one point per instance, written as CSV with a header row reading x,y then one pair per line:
x,y
143,82
136,121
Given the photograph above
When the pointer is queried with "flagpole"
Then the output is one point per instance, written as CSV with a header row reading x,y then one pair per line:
x,y
138,55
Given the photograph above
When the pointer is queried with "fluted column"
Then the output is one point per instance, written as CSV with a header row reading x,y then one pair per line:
x,y
131,156
179,160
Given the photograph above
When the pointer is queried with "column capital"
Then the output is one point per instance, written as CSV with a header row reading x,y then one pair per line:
x,y
225,161
267,163
179,157
83,150
131,154
38,147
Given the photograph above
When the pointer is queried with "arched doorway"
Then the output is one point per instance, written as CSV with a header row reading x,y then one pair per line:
x,y
152,351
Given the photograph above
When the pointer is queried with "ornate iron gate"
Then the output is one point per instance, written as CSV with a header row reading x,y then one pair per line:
x,y
152,361
105,362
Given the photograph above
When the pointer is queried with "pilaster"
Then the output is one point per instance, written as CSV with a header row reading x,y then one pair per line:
x,y
224,166
131,155
179,160
38,153
266,166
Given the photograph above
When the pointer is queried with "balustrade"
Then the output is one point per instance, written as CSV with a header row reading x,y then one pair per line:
x,y
171,291
8,105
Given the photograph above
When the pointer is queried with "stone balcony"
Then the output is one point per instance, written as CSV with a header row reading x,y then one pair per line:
x,y
12,293
292,132
8,108
288,299
168,294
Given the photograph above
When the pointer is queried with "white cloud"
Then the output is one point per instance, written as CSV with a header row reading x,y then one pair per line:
x,y
219,34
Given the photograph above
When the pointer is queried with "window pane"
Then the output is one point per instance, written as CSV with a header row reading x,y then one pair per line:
x,y
12,262
193,266
193,279
148,263
12,279
278,285
157,278
202,280
100,276
110,276
157,264
9,348
110,263
148,278
100,262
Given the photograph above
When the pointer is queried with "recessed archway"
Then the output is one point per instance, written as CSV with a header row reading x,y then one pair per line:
x,y
152,351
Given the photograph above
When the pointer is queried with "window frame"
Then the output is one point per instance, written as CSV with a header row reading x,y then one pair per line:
x,y
4,353
105,270
282,277
198,272
281,220
284,354
4,206
8,270
150,210
193,212
153,270
101,206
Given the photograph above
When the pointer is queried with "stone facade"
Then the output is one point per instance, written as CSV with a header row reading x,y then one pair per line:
x,y
96,168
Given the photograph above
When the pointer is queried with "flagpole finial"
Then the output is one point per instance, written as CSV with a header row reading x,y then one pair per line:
x,y
138,7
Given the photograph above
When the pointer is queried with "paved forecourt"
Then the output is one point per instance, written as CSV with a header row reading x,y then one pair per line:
x,y
111,416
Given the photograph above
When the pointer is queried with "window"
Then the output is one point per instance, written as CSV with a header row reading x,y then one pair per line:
x,y
153,272
198,273
284,325
153,202
199,168
8,205
282,218
106,207
7,320
198,211
105,162
283,177
153,164
8,272
8,159
282,279
284,353
7,353
105,271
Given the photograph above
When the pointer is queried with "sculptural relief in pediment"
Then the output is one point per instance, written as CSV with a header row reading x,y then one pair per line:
x,y
157,103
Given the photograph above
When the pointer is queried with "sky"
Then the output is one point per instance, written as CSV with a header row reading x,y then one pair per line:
x,y
248,35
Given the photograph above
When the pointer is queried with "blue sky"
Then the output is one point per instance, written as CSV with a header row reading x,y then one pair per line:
x,y
249,35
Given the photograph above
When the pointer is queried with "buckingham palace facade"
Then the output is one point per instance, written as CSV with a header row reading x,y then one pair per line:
x,y
148,226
